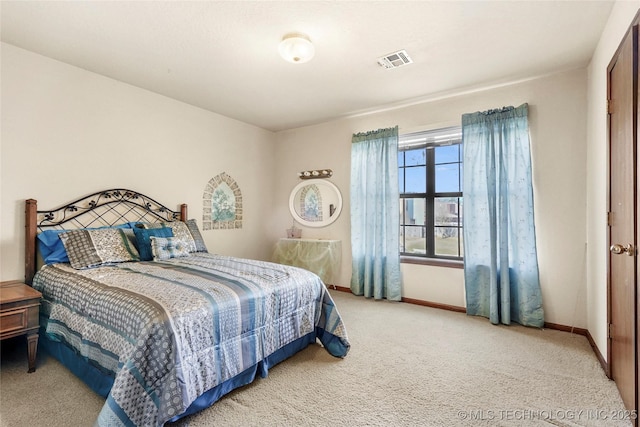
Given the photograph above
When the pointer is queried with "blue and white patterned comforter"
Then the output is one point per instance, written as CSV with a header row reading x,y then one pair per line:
x,y
172,330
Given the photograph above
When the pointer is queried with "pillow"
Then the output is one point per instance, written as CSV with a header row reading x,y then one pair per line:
x,y
93,248
51,248
197,237
167,247
180,230
144,242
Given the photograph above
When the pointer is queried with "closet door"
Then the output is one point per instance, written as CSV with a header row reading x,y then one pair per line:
x,y
623,213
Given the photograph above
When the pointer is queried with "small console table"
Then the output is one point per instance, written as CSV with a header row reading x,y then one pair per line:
x,y
322,257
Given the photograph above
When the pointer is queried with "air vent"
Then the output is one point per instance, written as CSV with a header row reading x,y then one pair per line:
x,y
395,59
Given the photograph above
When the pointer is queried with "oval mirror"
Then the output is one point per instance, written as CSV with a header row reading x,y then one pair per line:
x,y
315,202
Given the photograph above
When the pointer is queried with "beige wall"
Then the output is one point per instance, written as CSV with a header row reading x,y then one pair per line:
x,y
67,132
597,159
558,131
58,121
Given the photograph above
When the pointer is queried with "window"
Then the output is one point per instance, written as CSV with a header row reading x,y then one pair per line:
x,y
430,179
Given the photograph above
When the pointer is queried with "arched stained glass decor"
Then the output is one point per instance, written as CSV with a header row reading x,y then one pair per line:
x,y
311,203
222,203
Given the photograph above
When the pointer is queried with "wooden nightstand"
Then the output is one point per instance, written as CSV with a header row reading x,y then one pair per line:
x,y
19,315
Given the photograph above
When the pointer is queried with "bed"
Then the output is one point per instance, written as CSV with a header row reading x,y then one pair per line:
x,y
135,305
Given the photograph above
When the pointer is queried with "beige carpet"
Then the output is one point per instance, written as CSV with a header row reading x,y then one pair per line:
x,y
408,366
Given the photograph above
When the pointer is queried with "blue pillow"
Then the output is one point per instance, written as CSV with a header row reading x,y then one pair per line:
x,y
51,247
143,238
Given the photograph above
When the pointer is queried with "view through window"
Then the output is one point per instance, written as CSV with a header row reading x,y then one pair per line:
x,y
431,203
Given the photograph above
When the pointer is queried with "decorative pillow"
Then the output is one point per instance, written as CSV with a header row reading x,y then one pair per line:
x,y
92,248
167,247
180,230
51,248
197,237
144,242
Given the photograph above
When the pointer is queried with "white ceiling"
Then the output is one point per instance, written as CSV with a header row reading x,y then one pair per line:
x,y
223,55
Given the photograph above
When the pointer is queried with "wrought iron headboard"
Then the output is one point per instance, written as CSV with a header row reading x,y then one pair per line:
x,y
104,208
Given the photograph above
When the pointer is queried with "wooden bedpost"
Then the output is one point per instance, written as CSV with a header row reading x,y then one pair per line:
x,y
31,227
183,212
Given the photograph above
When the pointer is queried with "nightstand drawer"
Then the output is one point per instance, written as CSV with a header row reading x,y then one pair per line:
x,y
14,320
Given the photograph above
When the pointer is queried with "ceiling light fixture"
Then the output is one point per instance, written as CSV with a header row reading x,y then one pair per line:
x,y
296,48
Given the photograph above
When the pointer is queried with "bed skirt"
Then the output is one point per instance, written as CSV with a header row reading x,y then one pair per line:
x,y
101,382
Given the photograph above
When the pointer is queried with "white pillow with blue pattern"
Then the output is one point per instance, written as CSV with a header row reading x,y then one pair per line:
x,y
164,248
197,236
180,232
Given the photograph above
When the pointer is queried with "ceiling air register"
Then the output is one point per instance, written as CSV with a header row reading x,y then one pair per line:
x,y
395,59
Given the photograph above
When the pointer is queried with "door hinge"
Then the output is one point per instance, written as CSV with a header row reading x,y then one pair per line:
x,y
609,106
609,219
611,330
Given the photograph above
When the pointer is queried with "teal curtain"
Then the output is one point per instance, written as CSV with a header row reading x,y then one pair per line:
x,y
375,210
500,258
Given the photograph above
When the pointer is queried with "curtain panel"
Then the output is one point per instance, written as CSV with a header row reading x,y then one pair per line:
x,y
500,258
375,210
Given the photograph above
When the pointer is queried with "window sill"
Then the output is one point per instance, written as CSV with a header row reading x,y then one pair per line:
x,y
451,263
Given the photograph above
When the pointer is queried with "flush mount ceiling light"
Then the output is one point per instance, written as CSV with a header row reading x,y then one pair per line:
x,y
296,48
